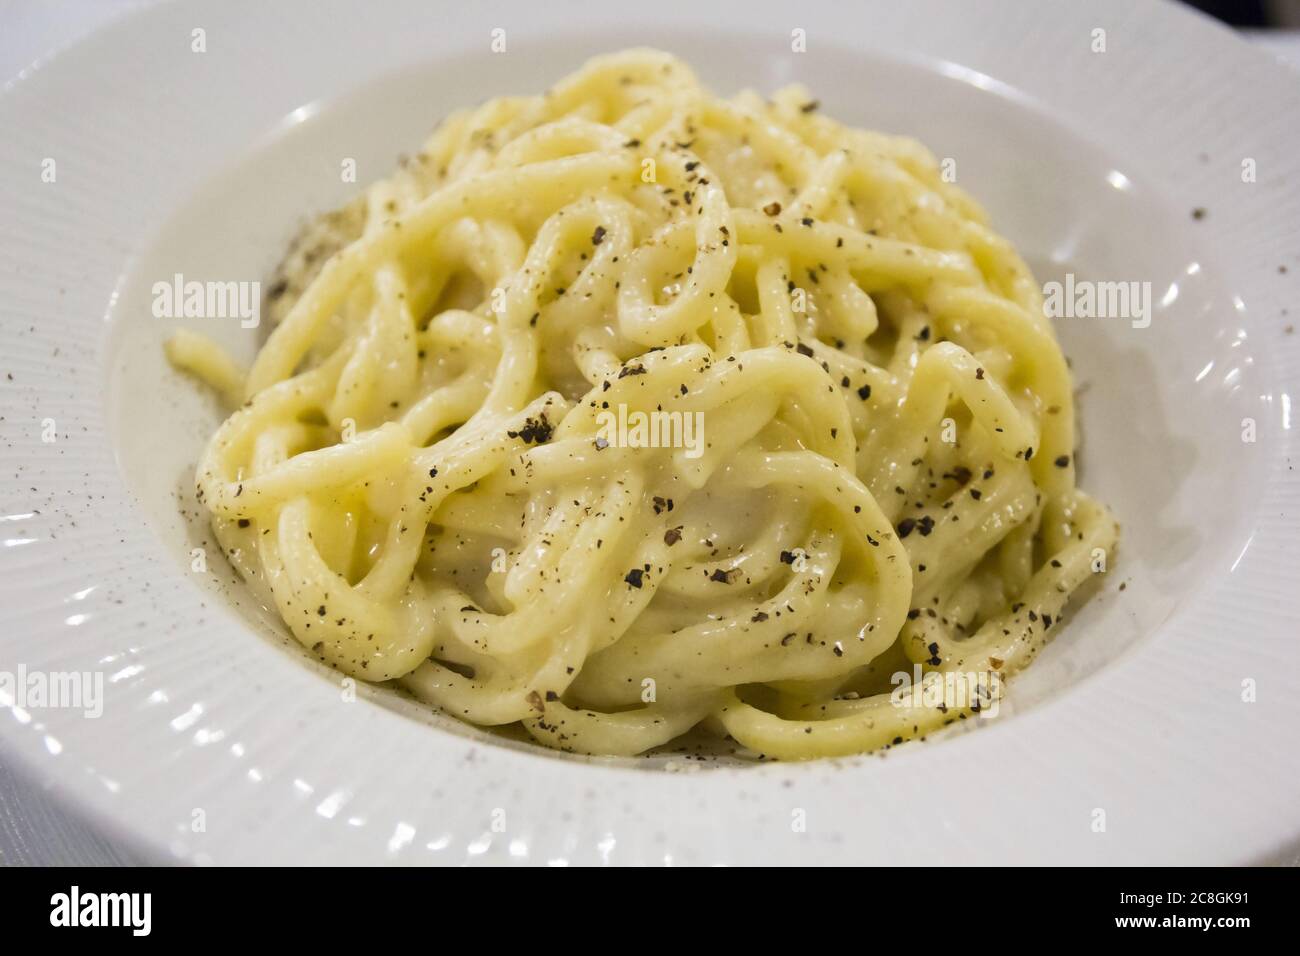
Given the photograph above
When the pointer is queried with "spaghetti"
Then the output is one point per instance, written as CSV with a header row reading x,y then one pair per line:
x,y
440,474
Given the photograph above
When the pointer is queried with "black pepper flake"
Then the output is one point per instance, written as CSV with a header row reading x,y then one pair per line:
x,y
905,527
433,472
810,106
633,577
721,576
759,617
772,209
803,350
598,236
662,504
673,535
806,220
864,392
979,373
788,557
1062,461
244,522
925,525
627,370
1029,453
535,430
976,494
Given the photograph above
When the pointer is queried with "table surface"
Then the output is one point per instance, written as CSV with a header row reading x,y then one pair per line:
x,y
34,828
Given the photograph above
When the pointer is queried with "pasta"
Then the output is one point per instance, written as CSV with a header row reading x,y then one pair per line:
x,y
625,412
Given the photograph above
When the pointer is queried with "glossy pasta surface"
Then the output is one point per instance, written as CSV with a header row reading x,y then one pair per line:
x,y
625,411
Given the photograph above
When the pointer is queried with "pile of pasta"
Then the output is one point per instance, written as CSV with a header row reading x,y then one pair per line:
x,y
417,479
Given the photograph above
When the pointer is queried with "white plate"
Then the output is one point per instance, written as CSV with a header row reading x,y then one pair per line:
x,y
169,160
